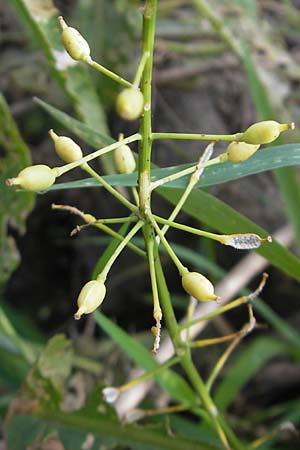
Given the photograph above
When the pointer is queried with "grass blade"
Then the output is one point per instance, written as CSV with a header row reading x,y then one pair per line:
x,y
273,158
83,131
286,178
41,19
168,380
246,365
213,212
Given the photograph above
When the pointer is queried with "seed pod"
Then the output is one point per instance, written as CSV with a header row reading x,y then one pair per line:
x,y
198,286
265,132
34,178
124,159
74,43
90,297
66,148
240,151
110,394
130,103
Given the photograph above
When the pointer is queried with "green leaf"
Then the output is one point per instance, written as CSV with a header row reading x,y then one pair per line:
x,y
248,362
213,212
84,132
286,178
41,18
46,380
272,158
77,429
168,380
55,360
13,367
15,206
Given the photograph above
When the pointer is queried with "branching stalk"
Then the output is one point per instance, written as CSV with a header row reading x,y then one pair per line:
x,y
102,151
88,60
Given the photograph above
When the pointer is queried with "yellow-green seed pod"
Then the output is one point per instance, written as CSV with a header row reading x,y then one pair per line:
x,y
66,148
74,43
90,297
265,132
198,286
130,103
34,178
240,151
124,159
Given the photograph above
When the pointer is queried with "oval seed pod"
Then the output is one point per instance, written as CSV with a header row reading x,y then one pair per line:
x,y
110,394
66,148
124,159
74,43
34,178
130,103
240,151
198,286
265,132
90,297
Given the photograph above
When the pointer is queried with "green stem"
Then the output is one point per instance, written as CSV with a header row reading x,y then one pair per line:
x,y
157,313
115,220
183,351
109,188
148,375
181,268
67,167
107,72
135,195
140,70
180,226
192,183
221,362
110,429
217,312
118,236
200,137
102,276
208,12
25,349
183,173
149,19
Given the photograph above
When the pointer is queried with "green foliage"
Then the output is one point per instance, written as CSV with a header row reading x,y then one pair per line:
x,y
14,207
41,409
40,17
250,360
217,214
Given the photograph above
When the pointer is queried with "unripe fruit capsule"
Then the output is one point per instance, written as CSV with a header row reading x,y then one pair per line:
x,y
66,148
124,159
90,297
34,178
240,151
198,286
130,103
265,132
74,43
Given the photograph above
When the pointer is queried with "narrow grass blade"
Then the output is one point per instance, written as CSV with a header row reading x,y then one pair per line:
x,y
41,19
76,429
168,380
245,366
80,129
14,207
269,159
286,178
213,212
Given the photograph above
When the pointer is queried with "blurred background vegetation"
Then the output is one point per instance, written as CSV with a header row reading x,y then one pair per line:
x,y
201,83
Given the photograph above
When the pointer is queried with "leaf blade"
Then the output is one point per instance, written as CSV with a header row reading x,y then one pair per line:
x,y
215,213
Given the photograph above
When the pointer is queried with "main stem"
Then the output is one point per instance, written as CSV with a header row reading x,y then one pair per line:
x,y
145,146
